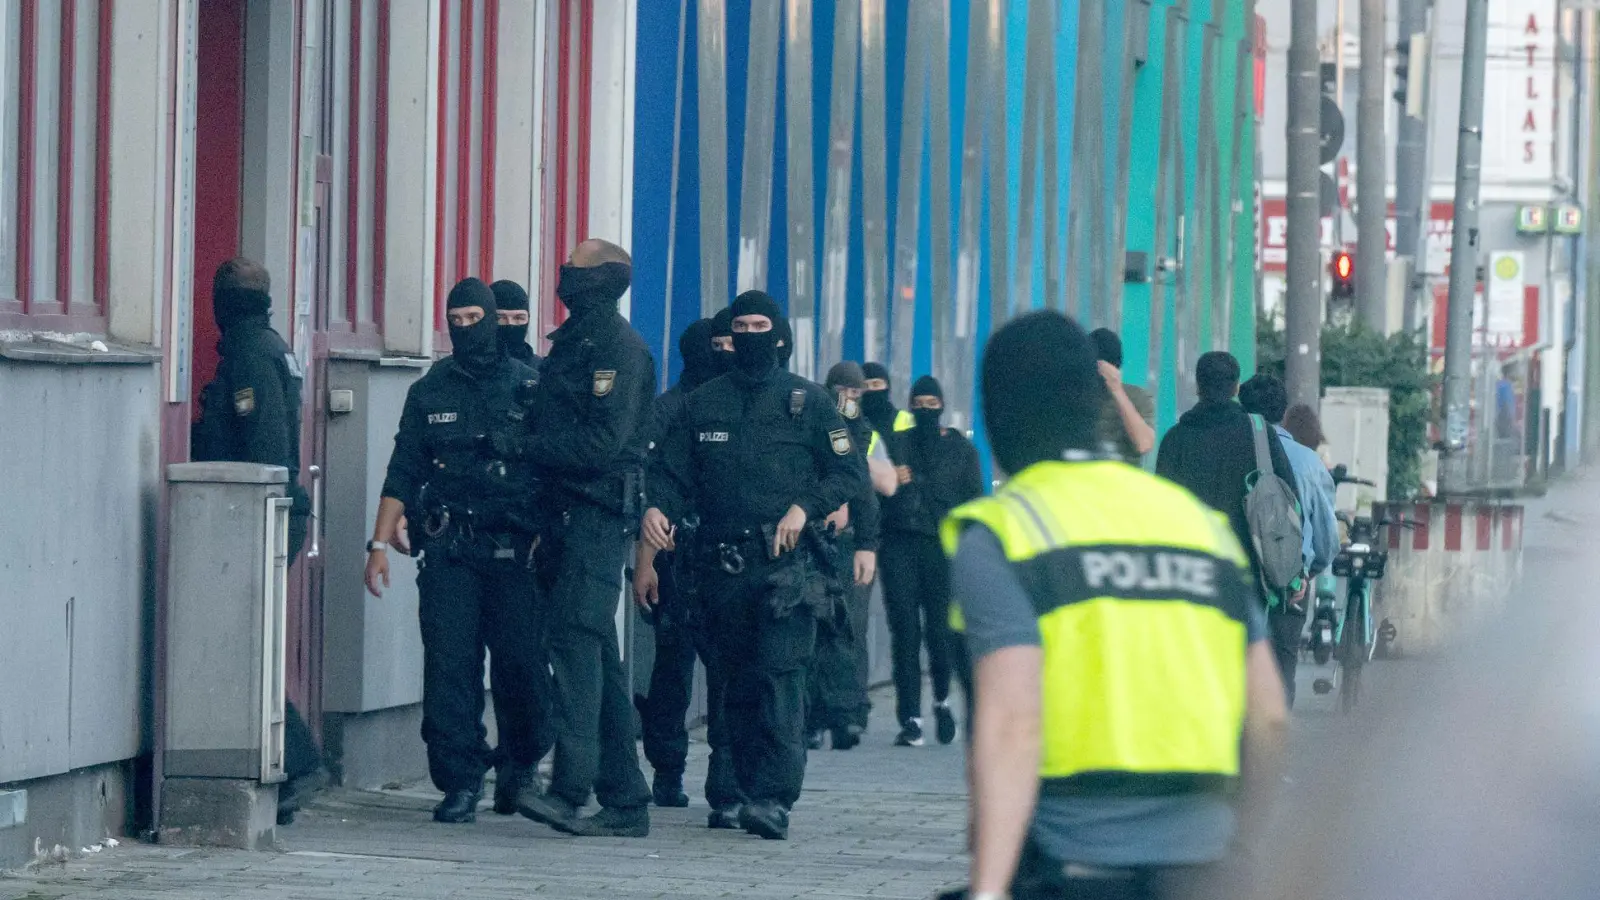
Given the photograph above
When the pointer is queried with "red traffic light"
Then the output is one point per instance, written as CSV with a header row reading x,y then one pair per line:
x,y
1343,265
1343,269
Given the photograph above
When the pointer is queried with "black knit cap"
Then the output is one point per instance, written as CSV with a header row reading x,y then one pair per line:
x,y
1042,392
875,370
722,323
756,303
509,295
845,375
927,386
472,292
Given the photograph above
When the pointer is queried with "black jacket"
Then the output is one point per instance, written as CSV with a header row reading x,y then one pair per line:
x,y
744,450
591,411
443,454
523,353
251,410
1211,451
945,473
866,507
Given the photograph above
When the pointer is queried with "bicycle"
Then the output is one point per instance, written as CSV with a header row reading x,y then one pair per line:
x,y
1351,639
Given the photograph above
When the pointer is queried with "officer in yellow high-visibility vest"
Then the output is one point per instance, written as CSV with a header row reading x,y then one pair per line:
x,y
1129,718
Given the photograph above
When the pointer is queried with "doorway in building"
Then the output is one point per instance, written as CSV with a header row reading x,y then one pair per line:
x,y
247,202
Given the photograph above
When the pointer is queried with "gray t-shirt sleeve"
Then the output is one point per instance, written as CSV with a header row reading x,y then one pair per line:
x,y
997,610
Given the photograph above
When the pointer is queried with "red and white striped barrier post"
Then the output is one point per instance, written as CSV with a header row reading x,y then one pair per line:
x,y
1451,572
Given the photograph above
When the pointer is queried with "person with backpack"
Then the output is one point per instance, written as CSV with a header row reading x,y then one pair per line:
x,y
1264,396
1235,463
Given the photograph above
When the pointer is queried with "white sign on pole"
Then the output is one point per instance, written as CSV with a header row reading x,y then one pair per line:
x,y
1507,279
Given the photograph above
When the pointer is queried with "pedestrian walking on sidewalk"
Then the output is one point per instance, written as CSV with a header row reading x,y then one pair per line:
x,y
763,457
458,475
1130,723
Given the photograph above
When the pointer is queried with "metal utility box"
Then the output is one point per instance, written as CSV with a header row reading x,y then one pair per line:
x,y
1356,423
227,589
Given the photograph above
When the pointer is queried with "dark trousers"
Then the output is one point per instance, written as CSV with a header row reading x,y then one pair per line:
x,y
465,606
1042,878
837,680
1285,629
664,712
916,596
763,656
595,748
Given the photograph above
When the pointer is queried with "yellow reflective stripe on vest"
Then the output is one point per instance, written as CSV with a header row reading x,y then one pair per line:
x,y
1141,593
904,421
872,445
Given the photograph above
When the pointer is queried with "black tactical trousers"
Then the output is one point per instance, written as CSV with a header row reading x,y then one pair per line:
x,y
595,748
763,656
679,640
916,596
837,681
466,605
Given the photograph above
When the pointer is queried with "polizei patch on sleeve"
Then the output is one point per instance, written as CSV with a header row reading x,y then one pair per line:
x,y
713,437
604,381
444,418
841,441
244,401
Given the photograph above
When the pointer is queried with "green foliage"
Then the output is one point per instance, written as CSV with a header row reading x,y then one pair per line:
x,y
1353,356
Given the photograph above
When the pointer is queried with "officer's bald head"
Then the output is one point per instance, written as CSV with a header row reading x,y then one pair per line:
x,y
597,252
241,274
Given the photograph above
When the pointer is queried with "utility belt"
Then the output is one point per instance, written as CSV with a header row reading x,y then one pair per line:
x,y
733,552
460,534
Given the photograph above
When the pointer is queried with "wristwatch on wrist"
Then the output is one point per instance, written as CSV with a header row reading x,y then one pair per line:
x,y
373,546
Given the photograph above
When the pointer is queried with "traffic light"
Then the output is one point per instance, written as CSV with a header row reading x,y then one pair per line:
x,y
1343,270
1402,68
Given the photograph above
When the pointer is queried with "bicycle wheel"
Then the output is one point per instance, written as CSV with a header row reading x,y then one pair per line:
x,y
1352,651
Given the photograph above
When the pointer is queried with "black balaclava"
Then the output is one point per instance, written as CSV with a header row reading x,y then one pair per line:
x,y
722,326
694,345
476,348
508,295
234,305
876,404
928,419
1042,391
846,375
755,353
588,289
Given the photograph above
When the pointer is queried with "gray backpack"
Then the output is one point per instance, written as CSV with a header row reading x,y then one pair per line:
x,y
1273,512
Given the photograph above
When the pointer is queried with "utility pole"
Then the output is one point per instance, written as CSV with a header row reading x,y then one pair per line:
x,y
1303,308
1464,255
1591,302
1411,153
1372,174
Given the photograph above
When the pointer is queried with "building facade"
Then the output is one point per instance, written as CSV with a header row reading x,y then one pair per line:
x,y
903,175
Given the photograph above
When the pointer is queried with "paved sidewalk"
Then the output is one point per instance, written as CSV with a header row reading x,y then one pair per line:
x,y
877,821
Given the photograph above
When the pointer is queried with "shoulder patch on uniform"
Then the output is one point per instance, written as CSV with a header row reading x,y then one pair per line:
x,y
604,381
441,418
841,441
244,401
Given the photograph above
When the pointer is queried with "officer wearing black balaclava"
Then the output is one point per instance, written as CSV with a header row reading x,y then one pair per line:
x,y
938,470
876,404
589,439
511,303
470,501
763,457
662,588
251,413
722,340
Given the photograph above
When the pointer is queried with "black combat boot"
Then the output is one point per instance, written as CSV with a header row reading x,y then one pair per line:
x,y
632,823
458,807
766,820
549,809
667,790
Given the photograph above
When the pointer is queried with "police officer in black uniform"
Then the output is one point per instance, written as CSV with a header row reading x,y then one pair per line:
x,y
251,413
763,457
511,301
722,340
589,440
472,517
664,589
839,673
